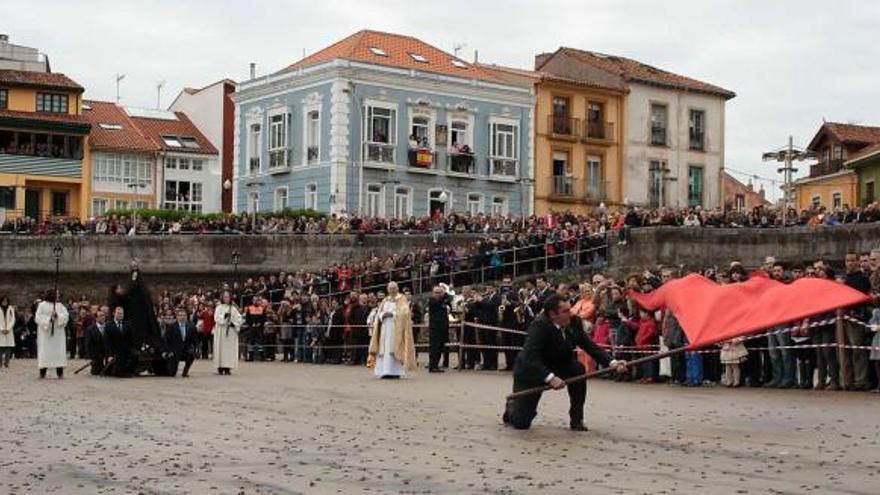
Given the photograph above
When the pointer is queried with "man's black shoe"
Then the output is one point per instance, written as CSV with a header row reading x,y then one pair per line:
x,y
436,370
580,427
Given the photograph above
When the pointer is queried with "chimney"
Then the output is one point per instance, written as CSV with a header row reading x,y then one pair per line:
x,y
541,59
253,70
476,56
762,193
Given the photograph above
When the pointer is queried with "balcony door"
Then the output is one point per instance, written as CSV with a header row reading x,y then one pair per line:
x,y
32,203
561,115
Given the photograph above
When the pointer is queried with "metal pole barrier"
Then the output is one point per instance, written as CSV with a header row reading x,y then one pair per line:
x,y
460,342
842,358
546,250
514,261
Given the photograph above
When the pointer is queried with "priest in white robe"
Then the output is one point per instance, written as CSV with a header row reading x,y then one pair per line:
x,y
392,348
227,323
51,319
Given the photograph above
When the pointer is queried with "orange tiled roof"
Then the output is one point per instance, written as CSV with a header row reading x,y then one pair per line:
x,y
398,51
49,80
870,151
128,138
154,129
633,71
849,133
61,118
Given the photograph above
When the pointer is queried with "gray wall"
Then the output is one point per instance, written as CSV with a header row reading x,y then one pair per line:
x,y
200,254
703,247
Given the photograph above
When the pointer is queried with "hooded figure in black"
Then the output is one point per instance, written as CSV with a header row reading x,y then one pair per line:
x,y
145,337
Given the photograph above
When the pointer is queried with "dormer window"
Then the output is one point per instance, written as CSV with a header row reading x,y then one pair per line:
x,y
458,63
110,127
418,58
172,141
189,142
378,51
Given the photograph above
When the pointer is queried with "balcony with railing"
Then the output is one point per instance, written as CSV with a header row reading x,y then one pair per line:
x,y
423,158
461,163
658,135
502,167
565,186
254,165
379,153
826,167
312,154
279,161
563,126
597,190
599,131
697,140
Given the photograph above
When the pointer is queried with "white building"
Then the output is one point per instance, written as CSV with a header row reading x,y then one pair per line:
x,y
18,57
187,165
212,110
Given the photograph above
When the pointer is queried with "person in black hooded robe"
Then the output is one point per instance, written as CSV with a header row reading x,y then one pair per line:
x,y
146,346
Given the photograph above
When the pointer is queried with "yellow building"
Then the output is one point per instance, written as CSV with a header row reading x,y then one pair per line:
x,y
830,184
44,152
578,119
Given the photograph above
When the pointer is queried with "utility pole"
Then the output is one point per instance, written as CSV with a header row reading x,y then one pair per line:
x,y
787,155
159,86
119,77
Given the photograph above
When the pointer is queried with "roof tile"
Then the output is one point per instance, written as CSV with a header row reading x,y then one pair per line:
x,y
398,49
128,138
154,129
53,80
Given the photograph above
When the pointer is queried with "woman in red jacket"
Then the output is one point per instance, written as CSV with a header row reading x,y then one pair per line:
x,y
646,340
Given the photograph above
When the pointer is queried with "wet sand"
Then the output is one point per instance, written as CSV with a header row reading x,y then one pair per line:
x,y
290,428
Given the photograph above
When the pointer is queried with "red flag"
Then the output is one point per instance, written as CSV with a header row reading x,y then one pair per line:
x,y
710,313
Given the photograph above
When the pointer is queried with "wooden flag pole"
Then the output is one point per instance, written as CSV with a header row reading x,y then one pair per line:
x,y
593,374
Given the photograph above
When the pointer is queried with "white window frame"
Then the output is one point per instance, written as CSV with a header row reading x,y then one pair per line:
x,y
255,144
367,128
190,204
310,200
836,195
505,205
99,211
399,196
280,137
499,154
816,202
475,206
121,204
469,132
431,116
275,201
307,126
449,201
380,200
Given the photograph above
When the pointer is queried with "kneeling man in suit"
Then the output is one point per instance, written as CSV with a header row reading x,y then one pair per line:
x,y
182,342
549,358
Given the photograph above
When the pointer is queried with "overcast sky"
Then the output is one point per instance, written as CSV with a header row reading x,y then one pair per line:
x,y
791,63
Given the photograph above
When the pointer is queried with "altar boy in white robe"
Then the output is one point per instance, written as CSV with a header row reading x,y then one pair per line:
x,y
227,323
392,348
51,319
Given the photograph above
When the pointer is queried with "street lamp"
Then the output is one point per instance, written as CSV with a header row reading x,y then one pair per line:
x,y
136,186
787,155
57,251
255,194
227,187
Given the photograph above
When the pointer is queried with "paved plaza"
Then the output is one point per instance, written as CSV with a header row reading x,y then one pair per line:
x,y
286,429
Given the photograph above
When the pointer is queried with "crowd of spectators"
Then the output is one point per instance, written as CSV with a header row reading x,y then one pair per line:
x,y
289,319
602,219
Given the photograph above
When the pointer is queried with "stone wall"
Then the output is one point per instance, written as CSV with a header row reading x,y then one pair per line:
x,y
703,247
202,254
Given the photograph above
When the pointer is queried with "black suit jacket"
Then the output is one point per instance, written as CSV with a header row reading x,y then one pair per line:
x,y
117,341
96,343
547,351
179,346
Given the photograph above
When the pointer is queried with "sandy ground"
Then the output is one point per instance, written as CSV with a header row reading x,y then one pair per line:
x,y
285,428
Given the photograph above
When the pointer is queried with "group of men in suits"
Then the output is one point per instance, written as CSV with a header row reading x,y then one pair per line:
x,y
111,350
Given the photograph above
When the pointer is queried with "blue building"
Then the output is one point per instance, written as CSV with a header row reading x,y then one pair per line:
x,y
386,125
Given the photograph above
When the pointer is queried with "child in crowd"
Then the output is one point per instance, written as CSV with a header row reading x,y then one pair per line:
x,y
646,342
733,352
315,340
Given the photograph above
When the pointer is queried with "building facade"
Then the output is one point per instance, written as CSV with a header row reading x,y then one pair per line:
x,y
18,57
187,164
123,161
578,115
830,183
866,165
44,151
212,110
385,125
742,197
